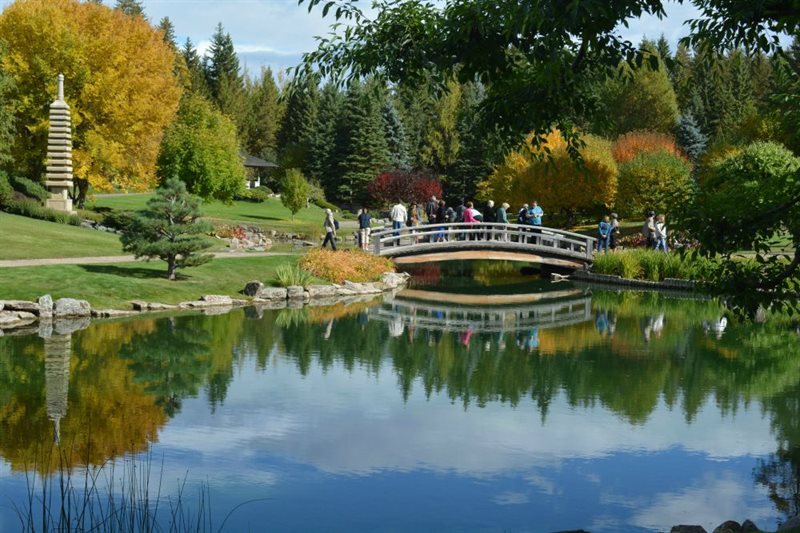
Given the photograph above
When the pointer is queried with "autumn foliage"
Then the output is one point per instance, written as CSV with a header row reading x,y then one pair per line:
x,y
547,173
631,144
119,84
350,265
390,187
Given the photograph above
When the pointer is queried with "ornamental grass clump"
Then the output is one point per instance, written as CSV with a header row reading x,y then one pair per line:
x,y
292,276
346,265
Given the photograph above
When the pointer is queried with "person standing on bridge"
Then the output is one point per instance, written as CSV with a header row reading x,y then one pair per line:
x,y
363,228
502,218
430,209
398,216
534,218
441,218
471,216
490,217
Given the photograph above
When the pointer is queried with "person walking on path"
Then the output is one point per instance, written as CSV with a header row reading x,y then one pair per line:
x,y
661,234
364,221
604,234
330,229
398,216
612,239
649,230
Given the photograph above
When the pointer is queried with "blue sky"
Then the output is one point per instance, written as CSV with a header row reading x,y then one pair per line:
x,y
275,33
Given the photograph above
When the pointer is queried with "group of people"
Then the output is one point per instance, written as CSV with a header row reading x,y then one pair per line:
x,y
654,231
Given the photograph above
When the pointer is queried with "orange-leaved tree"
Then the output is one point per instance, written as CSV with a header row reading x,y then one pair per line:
x,y
549,174
628,146
119,84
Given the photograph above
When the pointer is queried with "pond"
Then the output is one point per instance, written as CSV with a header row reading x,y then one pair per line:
x,y
476,400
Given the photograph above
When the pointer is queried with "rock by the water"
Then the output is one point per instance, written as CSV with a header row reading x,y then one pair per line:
x,y
111,313
321,291
729,526
45,306
217,299
393,280
71,307
253,288
295,292
271,293
687,529
139,305
16,319
20,305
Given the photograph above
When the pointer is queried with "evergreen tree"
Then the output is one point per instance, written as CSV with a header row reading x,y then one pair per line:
x,y
689,137
7,109
296,135
441,143
168,29
364,153
474,162
322,162
221,63
132,8
681,76
395,135
169,229
662,47
416,108
196,73
264,107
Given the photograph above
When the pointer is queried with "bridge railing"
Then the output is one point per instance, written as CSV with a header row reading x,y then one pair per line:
x,y
387,241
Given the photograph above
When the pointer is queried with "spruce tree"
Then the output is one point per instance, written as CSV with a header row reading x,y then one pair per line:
x,y
169,229
296,135
364,153
474,163
168,30
690,138
395,135
194,64
322,161
133,8
264,107
222,64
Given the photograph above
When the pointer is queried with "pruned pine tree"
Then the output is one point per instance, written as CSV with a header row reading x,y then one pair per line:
x,y
169,229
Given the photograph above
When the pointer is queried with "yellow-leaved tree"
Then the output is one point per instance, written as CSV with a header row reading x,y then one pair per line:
x,y
120,85
550,175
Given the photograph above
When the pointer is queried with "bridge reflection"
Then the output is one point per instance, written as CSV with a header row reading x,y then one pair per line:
x,y
443,312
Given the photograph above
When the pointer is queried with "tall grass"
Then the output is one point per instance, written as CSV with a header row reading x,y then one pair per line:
x,y
654,266
291,275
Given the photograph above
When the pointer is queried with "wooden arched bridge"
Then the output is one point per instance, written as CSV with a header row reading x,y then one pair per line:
x,y
460,241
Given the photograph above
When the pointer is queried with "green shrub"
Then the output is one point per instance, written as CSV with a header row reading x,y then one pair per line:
x,y
93,216
6,191
118,220
30,188
258,196
264,189
28,207
291,275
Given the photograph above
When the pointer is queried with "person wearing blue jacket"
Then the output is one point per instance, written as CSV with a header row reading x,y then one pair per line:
x,y
604,231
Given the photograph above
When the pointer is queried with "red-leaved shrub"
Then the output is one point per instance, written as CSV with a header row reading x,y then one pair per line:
x,y
409,187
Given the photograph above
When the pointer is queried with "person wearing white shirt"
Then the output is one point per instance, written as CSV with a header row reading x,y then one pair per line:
x,y
399,215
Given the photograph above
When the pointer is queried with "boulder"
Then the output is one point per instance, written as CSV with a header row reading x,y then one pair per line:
x,y
393,280
217,299
45,306
729,526
71,307
253,288
15,319
687,529
321,291
20,305
296,292
271,293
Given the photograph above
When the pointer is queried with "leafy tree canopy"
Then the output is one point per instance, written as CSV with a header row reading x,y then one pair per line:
x,y
201,148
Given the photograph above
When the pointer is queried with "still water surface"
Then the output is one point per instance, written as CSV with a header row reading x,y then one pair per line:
x,y
562,408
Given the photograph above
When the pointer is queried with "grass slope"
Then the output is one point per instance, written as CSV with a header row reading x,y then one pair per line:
x,y
270,214
28,238
115,285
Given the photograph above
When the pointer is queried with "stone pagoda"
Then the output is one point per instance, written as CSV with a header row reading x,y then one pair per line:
x,y
57,352
59,153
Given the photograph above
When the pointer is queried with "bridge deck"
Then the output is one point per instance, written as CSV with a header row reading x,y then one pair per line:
x,y
440,242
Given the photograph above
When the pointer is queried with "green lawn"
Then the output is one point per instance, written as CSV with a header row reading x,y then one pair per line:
x,y
271,215
27,238
115,285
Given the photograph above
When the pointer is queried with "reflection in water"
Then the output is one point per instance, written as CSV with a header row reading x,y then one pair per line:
x,y
57,351
369,388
